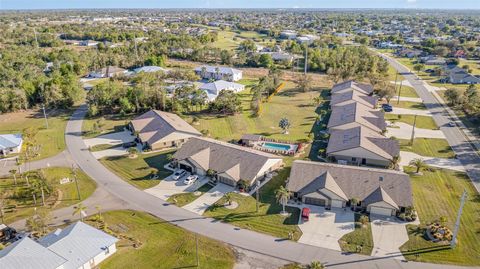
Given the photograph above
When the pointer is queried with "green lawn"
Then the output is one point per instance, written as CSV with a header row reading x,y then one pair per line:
x,y
267,220
162,245
50,141
289,103
101,147
137,171
63,195
407,104
407,91
360,239
437,193
107,124
182,199
423,122
429,147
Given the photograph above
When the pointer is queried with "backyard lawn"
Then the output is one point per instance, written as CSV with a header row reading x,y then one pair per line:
x,y
360,240
162,245
137,171
423,122
50,141
181,199
267,220
62,195
437,193
429,147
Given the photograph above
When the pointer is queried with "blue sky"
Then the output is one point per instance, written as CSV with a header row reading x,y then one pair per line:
x,y
65,4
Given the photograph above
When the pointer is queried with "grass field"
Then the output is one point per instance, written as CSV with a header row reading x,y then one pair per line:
x,y
66,194
267,220
437,193
429,147
423,122
50,141
163,245
182,199
289,103
137,171
407,91
360,239
408,105
108,124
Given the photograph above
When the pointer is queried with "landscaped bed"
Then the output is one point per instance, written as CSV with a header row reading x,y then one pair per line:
x,y
360,240
182,199
160,244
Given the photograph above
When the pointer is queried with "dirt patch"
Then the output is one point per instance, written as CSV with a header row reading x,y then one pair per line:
x,y
251,260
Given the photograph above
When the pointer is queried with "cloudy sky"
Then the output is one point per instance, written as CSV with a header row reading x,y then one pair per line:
x,y
63,4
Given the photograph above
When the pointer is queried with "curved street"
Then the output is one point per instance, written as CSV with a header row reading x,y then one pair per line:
x,y
134,198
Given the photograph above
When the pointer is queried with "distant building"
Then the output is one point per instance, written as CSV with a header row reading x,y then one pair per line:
x,y
150,69
10,143
288,34
110,71
213,89
218,73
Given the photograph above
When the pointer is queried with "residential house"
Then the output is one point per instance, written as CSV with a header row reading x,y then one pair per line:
x,y
288,34
409,53
230,163
457,75
279,56
79,245
218,73
213,89
157,129
10,143
362,146
150,69
107,72
355,114
352,96
378,191
349,85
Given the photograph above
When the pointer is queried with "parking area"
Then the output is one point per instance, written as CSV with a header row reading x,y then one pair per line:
x,y
203,202
325,227
388,235
169,187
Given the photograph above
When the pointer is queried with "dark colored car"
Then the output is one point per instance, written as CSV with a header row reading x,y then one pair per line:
x,y
387,107
127,145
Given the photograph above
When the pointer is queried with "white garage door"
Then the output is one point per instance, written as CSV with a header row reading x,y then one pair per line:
x,y
380,211
337,203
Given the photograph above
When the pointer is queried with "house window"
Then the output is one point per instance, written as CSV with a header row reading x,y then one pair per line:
x,y
354,159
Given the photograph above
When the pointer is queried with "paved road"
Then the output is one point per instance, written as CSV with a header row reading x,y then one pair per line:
x,y
62,159
455,137
253,241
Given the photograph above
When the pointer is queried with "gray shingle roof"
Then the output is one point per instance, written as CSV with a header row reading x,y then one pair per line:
x,y
357,113
355,182
223,157
353,96
154,125
352,85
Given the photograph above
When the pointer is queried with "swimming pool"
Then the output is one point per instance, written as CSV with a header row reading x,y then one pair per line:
x,y
279,146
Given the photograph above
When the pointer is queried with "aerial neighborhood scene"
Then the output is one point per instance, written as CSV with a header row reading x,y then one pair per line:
x,y
286,134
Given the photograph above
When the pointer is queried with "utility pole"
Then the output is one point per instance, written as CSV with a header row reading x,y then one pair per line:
x,y
257,195
457,223
413,129
76,182
399,92
45,115
306,60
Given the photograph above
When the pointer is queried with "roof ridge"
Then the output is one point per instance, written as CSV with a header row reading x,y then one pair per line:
x,y
380,170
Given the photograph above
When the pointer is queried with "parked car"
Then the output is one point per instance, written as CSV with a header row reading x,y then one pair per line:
x,y
190,179
387,107
305,213
452,124
130,144
178,174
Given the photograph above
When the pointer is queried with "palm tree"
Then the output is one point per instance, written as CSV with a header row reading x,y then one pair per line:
x,y
79,209
354,202
228,198
317,100
284,123
282,195
394,162
418,163
316,265
14,174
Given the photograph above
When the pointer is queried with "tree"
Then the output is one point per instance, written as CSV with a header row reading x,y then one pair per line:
x,y
387,92
394,162
228,198
453,96
227,102
354,201
265,60
304,82
80,210
418,67
284,123
14,174
316,265
282,195
132,152
364,220
418,163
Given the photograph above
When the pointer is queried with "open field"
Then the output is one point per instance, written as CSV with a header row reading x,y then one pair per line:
x,y
437,193
137,171
360,240
267,220
63,195
162,245
423,122
50,141
430,147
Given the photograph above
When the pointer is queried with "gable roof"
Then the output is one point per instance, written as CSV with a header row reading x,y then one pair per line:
x,y
26,254
217,86
324,181
365,138
355,182
221,69
78,243
380,195
154,125
357,113
349,96
10,140
236,161
352,85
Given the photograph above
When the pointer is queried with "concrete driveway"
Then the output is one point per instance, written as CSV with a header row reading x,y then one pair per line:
x,y
110,139
209,198
389,235
325,227
404,131
407,111
169,187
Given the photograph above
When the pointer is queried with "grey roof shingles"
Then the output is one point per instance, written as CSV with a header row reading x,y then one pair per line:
x,y
353,96
352,85
355,182
359,114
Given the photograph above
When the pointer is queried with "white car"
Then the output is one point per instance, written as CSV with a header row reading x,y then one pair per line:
x,y
190,179
452,124
178,174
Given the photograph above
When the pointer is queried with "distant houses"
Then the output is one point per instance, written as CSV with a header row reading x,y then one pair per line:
x,y
79,245
457,75
108,72
213,89
218,73
10,143
158,130
149,69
